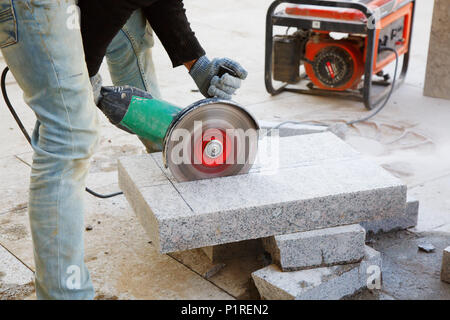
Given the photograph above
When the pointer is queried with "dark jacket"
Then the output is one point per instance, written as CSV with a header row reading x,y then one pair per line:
x,y
101,20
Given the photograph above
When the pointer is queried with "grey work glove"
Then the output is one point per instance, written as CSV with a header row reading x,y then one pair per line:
x,y
206,76
96,82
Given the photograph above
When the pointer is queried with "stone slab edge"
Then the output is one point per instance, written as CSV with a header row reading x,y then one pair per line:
x,y
317,248
139,205
330,283
396,223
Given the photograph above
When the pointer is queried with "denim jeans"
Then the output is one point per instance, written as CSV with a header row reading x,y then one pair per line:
x,y
129,56
46,58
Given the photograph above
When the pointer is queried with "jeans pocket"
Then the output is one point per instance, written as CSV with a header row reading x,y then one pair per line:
x,y
8,24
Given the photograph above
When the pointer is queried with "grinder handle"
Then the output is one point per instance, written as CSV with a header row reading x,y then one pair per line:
x,y
224,69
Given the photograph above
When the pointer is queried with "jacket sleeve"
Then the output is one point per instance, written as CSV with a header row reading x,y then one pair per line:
x,y
168,20
101,20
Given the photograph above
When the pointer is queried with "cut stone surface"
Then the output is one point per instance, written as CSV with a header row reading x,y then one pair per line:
x,y
445,272
224,252
399,222
321,182
330,283
290,152
317,248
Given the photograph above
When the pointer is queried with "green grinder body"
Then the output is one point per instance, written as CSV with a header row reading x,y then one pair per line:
x,y
137,112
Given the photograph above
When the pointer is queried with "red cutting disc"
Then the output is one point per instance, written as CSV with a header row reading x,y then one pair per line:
x,y
212,139
202,152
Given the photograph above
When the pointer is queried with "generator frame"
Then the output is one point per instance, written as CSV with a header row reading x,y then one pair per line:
x,y
352,27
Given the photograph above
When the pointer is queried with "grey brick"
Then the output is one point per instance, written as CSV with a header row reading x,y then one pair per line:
x,y
317,248
329,283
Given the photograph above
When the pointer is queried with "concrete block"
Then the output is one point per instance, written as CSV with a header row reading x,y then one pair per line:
x,y
399,222
224,252
445,271
317,248
329,283
321,183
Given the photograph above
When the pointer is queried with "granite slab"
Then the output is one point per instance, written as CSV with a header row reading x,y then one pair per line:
x,y
398,222
329,283
317,248
320,182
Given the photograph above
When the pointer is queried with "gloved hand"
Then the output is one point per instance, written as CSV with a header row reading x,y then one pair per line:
x,y
205,74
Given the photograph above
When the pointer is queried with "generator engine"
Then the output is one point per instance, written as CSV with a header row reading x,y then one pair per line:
x,y
334,64
339,47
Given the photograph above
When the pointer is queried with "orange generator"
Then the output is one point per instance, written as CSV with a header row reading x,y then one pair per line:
x,y
338,48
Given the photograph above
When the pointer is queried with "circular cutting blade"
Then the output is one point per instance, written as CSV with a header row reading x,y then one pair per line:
x,y
210,140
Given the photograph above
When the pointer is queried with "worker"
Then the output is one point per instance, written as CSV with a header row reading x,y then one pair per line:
x,y
47,60
102,19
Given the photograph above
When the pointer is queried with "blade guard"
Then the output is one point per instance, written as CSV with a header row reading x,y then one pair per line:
x,y
192,107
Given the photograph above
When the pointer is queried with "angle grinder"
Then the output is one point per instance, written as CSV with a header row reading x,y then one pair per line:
x,y
210,138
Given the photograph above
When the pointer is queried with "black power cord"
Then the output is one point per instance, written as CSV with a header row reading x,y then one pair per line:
x,y
388,97
27,136
103,196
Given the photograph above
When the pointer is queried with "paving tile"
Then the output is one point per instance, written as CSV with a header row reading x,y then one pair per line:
x,y
317,248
